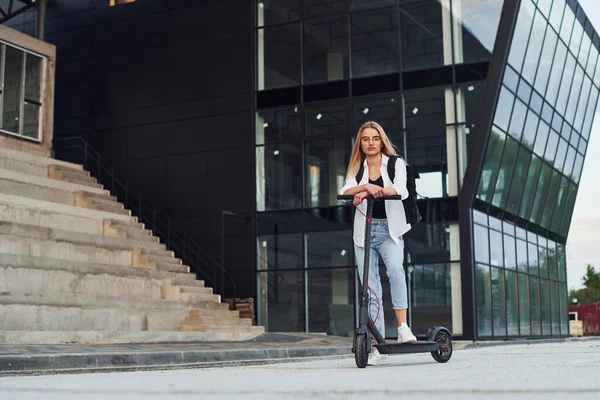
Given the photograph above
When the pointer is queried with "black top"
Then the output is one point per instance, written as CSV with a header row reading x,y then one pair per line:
x,y
378,206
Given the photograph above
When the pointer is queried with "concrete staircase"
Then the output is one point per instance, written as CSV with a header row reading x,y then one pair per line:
x,y
75,266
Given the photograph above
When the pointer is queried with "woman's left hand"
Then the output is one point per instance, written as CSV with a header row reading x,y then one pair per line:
x,y
359,197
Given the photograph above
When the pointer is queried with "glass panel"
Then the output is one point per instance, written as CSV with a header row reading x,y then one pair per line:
x,y
544,7
584,51
325,171
568,167
482,246
274,126
560,204
541,139
491,164
524,307
556,14
576,37
530,130
574,96
532,253
33,77
31,122
581,106
568,212
589,114
495,223
565,84
522,30
428,243
567,25
510,252
274,71
530,186
359,3
484,306
276,184
496,247
554,306
556,73
512,303
545,305
315,7
480,218
534,292
543,72
327,120
543,257
518,180
524,91
511,79
547,112
552,262
479,21
541,193
561,262
325,50
386,111
518,120
522,261
550,151
536,103
532,55
329,249
431,295
551,199
582,148
509,158
331,301
577,167
374,42
422,35
284,300
498,302
504,109
277,11
13,73
561,154
564,319
282,251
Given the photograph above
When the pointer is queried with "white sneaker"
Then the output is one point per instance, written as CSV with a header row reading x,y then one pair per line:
x,y
376,358
405,335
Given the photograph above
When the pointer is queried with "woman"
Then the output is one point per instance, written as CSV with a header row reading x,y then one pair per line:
x,y
373,149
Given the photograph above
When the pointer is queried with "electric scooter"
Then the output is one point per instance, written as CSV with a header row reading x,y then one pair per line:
x,y
439,339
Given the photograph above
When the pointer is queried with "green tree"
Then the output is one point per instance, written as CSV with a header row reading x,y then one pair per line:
x,y
591,292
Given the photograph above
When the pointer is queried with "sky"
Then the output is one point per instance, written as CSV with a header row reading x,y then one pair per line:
x,y
583,243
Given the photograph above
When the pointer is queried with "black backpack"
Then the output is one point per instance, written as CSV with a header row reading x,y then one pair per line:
x,y
413,216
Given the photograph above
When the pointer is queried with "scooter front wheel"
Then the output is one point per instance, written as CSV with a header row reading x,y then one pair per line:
x,y
445,352
361,349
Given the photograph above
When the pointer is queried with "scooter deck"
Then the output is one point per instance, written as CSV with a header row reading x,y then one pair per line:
x,y
415,347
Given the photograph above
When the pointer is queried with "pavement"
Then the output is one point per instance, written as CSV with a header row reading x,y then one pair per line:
x,y
266,349
541,371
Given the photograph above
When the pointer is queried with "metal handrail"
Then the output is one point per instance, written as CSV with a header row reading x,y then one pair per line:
x,y
75,149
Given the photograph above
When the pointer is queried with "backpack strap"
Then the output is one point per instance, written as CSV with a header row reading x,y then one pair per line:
x,y
391,167
360,173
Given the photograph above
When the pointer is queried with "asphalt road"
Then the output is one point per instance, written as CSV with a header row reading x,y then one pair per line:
x,y
539,371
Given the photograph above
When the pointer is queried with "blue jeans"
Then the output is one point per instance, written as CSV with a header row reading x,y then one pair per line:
x,y
393,257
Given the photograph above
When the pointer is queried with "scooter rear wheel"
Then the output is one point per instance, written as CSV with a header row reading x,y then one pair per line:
x,y
361,353
442,355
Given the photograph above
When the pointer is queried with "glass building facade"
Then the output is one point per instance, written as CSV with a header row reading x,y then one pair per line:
x,y
423,69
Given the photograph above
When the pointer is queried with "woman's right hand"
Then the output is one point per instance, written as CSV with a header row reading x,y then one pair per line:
x,y
374,190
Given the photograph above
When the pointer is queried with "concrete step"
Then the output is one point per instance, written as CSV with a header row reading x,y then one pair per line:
x,y
173,267
66,170
163,260
81,181
70,210
47,182
19,245
217,320
121,222
214,313
195,289
82,269
106,242
36,154
195,297
102,196
213,327
35,280
104,336
101,205
22,166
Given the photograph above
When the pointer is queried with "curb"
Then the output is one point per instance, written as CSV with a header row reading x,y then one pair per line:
x,y
64,363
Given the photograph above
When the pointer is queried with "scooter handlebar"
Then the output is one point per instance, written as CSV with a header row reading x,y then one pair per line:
x,y
350,197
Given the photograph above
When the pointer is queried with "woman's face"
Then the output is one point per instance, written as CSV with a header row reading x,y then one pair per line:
x,y
370,142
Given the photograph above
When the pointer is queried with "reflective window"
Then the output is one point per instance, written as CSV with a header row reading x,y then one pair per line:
x,y
277,11
284,300
567,25
576,38
279,168
279,125
484,300
510,252
498,301
504,109
551,199
522,30
556,73
374,42
568,167
561,153
282,251
359,3
512,304
490,165
544,6
532,256
529,132
12,90
524,91
496,253
532,55
331,299
556,14
518,120
543,257
590,113
530,186
518,180
274,71
325,50
561,199
524,305
543,72
326,162
522,262
541,139
554,306
574,96
541,193
577,168
507,164
565,84
479,21
534,293
422,35
327,120
482,246
431,289
511,79
316,7
584,51
545,307
536,103
581,106
384,110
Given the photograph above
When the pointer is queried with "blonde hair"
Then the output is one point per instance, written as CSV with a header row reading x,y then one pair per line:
x,y
358,156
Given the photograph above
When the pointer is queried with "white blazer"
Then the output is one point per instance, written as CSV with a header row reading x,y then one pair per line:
x,y
393,208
